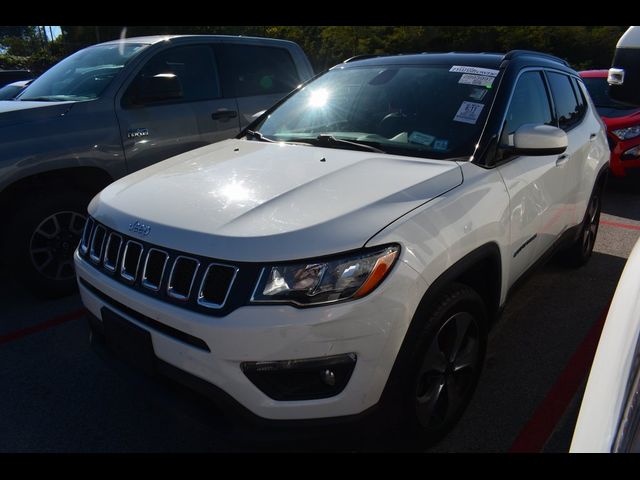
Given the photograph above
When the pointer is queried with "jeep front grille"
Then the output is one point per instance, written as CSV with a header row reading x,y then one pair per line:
x,y
186,280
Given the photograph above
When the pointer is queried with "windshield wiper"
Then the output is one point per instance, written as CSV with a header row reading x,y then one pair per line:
x,y
37,99
258,136
325,140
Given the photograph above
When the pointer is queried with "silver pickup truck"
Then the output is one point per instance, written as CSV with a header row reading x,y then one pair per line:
x,y
112,109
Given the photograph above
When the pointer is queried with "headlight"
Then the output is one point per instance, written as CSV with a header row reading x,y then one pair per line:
x,y
325,281
627,133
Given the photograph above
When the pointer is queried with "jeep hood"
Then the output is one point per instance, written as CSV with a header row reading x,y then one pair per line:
x,y
253,201
14,112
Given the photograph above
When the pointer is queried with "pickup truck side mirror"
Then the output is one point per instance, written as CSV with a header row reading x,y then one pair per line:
x,y
624,75
159,88
537,139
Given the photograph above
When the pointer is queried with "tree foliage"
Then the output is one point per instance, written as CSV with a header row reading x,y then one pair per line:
x,y
583,46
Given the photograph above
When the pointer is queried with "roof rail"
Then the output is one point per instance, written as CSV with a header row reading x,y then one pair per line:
x,y
362,57
519,53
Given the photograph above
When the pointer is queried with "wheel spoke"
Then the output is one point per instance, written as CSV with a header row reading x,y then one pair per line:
x,y
76,219
467,359
40,266
460,324
593,211
435,359
49,235
428,401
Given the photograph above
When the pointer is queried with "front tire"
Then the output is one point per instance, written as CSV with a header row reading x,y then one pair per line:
x,y
580,252
46,234
445,366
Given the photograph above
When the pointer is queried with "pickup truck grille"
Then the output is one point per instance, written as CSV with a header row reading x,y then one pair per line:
x,y
186,280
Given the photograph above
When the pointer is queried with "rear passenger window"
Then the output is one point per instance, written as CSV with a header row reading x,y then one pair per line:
x,y
529,104
582,102
256,70
568,111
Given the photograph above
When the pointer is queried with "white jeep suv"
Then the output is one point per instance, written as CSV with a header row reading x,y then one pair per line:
x,y
348,252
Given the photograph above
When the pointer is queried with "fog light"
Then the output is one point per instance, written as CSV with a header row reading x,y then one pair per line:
x,y
631,154
306,379
329,378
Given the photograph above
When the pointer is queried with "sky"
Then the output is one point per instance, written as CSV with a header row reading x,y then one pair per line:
x,y
55,29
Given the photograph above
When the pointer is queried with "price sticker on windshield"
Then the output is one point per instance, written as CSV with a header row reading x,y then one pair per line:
x,y
469,112
479,80
489,72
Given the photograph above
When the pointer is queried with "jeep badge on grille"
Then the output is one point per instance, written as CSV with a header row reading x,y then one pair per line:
x,y
139,228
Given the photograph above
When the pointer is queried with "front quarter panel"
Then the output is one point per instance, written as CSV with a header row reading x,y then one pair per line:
x,y
451,226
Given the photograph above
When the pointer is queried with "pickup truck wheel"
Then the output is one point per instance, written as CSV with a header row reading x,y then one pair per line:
x,y
47,233
446,364
580,252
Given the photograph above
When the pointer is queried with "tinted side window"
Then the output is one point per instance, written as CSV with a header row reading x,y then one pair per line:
x,y
194,66
567,109
255,70
582,102
529,104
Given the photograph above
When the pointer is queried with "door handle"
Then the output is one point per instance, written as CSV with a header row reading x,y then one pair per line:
x,y
224,115
562,159
592,137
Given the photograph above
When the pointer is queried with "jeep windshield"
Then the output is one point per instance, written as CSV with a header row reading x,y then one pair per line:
x,y
83,75
432,111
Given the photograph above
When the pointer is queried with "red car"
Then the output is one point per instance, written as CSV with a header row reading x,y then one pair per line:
x,y
622,121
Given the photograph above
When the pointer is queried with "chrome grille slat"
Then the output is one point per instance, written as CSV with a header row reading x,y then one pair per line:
x,y
86,235
208,303
149,283
175,291
98,236
111,264
126,258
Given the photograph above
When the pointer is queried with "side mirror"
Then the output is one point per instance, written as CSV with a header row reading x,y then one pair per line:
x,y
159,88
624,75
537,139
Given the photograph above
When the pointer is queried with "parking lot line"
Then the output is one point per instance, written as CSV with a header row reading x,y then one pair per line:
x,y
620,225
542,424
54,322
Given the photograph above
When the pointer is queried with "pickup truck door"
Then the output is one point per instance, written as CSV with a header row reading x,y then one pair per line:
x,y
535,183
258,75
156,128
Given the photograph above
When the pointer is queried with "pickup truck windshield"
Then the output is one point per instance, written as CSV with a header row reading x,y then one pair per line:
x,y
434,111
83,75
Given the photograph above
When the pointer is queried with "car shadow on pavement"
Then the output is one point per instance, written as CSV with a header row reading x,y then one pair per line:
x,y
622,198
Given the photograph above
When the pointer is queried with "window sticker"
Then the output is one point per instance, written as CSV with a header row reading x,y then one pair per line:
x,y
468,112
475,70
421,138
478,93
479,80
441,145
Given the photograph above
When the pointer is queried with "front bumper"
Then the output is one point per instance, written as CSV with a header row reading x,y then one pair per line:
x,y
372,328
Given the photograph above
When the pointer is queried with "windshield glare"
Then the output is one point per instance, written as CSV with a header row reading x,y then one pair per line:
x,y
425,111
82,76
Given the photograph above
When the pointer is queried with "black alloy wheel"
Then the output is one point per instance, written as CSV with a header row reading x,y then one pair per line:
x,y
53,242
448,371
